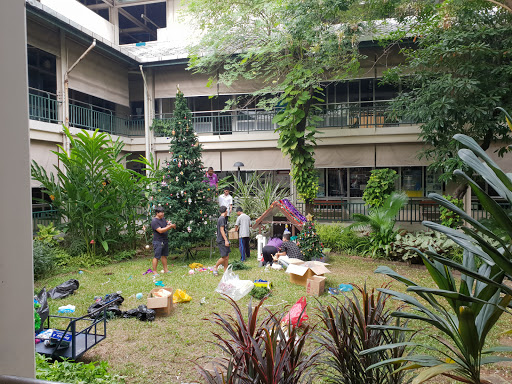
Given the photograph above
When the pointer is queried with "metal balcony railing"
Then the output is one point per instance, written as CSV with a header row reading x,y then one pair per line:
x,y
415,211
340,115
43,106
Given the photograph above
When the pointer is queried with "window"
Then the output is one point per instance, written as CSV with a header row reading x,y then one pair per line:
x,y
358,180
412,181
337,182
321,183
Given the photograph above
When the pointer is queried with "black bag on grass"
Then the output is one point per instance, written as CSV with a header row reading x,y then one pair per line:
x,y
64,290
112,309
142,313
43,311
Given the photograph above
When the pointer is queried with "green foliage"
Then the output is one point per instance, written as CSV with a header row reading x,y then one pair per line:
x,y
448,218
454,77
94,195
74,373
404,246
187,199
257,193
379,187
43,259
259,292
258,350
335,237
124,255
465,313
381,223
290,48
47,234
309,242
239,265
37,318
350,327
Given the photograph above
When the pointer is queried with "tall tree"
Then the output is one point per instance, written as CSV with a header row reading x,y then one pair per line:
x,y
186,197
456,76
290,47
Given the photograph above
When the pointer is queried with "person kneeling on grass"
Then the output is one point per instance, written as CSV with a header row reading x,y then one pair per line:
x,y
222,239
160,241
289,248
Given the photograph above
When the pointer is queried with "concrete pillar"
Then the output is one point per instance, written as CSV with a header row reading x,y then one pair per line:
x,y
16,266
113,17
169,12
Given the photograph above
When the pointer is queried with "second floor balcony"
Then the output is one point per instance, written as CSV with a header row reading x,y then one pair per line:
x,y
45,106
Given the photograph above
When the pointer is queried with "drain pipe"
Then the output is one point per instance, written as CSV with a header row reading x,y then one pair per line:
x,y
146,117
66,93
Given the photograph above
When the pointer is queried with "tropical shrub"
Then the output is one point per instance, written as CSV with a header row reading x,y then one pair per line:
x,y
464,313
43,258
350,327
259,351
339,239
448,218
381,224
379,187
95,197
74,373
404,246
47,234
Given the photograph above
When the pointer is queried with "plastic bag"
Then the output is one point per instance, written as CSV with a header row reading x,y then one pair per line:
x,y
43,311
64,290
180,296
231,285
297,313
142,313
113,310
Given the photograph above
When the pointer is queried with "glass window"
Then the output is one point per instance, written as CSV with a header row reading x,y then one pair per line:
x,y
337,182
432,183
321,183
412,181
358,180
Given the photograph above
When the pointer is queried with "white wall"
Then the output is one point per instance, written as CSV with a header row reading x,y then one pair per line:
x,y
83,16
16,276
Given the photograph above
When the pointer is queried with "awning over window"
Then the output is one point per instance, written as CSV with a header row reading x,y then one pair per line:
x,y
40,152
504,162
399,155
98,76
255,160
211,159
194,84
345,156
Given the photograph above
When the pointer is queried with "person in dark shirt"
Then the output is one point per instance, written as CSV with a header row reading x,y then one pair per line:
x,y
160,242
222,240
289,248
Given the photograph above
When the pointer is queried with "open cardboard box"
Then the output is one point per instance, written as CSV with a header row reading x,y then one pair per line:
x,y
300,273
163,306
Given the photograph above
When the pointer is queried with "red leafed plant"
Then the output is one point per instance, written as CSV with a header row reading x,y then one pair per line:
x,y
259,351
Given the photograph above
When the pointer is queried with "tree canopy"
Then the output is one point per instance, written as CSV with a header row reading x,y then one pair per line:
x,y
456,76
290,48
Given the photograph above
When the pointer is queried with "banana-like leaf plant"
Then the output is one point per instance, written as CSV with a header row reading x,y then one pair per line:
x,y
463,313
381,223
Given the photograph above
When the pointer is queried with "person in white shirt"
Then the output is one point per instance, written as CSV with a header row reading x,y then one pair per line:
x,y
225,200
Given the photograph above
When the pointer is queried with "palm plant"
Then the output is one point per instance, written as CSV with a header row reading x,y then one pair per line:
x,y
355,325
464,313
259,352
381,222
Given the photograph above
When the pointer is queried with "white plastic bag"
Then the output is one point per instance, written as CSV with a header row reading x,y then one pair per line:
x,y
232,286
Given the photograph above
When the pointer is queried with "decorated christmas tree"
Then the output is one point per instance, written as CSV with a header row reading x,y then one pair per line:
x,y
186,197
309,242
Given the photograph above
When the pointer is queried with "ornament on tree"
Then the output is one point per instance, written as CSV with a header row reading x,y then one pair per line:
x,y
189,229
173,132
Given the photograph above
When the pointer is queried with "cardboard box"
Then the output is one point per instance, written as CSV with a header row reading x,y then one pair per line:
x,y
300,273
163,306
315,285
232,234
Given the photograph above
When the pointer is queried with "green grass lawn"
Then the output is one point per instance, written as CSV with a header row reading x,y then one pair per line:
x,y
166,350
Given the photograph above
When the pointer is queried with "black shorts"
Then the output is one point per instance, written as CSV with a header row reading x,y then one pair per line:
x,y
161,248
224,251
